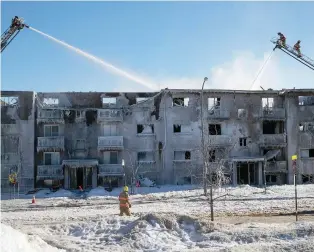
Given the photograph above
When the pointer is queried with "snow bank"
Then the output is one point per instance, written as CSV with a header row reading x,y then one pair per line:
x,y
15,241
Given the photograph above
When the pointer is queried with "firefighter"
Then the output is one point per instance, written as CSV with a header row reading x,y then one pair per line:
x,y
297,48
125,204
282,39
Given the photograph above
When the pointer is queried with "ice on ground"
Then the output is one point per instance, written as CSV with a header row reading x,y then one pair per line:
x,y
15,241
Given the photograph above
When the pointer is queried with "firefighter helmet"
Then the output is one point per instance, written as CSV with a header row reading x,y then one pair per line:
x,y
126,189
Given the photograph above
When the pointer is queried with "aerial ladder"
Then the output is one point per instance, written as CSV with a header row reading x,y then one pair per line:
x,y
16,26
293,53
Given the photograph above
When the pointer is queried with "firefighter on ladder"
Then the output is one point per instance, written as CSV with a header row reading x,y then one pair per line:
x,y
297,48
125,204
281,40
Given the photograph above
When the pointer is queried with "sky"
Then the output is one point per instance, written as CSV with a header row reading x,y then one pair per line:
x,y
165,44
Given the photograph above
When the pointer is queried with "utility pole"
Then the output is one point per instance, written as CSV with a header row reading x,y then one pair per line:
x,y
294,166
202,145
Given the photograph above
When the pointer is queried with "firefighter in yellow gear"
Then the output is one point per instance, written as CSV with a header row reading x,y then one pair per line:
x,y
125,204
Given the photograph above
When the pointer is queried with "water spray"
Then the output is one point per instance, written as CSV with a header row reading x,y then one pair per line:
x,y
103,63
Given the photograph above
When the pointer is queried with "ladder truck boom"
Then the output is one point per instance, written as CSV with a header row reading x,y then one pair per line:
x,y
292,53
16,26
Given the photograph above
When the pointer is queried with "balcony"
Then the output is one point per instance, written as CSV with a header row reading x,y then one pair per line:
x,y
110,170
50,172
306,166
110,143
218,140
277,166
50,116
273,140
80,163
272,114
146,166
50,143
109,115
307,139
9,129
218,114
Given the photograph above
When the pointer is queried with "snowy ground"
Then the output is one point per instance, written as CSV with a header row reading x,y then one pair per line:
x,y
168,219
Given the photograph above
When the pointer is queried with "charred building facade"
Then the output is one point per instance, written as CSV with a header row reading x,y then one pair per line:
x,y
90,139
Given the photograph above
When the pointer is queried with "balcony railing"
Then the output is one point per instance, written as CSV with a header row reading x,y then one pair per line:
x,y
50,172
276,166
272,113
50,116
110,170
9,129
110,143
276,140
50,143
146,166
109,115
218,140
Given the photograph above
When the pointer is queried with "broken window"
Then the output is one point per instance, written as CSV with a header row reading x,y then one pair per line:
x,y
268,103
307,153
141,156
271,178
242,113
214,129
212,155
187,155
109,100
145,129
9,100
307,179
182,102
176,128
80,113
141,99
51,158
51,101
306,100
145,156
51,130
213,103
301,127
242,141
182,155
273,127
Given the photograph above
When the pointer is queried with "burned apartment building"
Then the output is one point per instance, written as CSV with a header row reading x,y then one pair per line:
x,y
17,140
91,139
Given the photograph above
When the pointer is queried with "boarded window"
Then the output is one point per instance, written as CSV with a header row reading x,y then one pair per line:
x,y
214,129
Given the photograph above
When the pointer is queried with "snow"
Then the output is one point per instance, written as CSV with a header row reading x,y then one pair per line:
x,y
15,241
169,218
